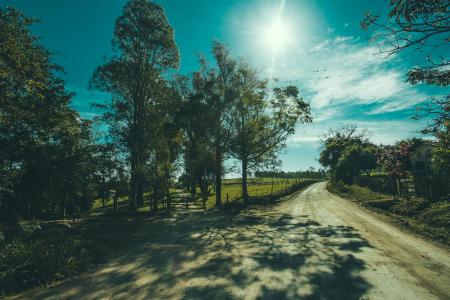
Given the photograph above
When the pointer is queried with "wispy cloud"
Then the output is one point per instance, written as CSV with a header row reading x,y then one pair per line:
x,y
380,131
345,70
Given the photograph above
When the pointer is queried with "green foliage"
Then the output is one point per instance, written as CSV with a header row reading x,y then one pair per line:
x,y
310,173
36,254
44,145
381,204
142,106
354,159
347,152
261,188
441,153
396,159
410,207
37,257
356,192
413,26
437,216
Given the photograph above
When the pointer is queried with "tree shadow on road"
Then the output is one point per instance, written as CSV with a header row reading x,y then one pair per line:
x,y
261,253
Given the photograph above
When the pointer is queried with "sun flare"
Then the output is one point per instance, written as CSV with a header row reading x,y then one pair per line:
x,y
276,35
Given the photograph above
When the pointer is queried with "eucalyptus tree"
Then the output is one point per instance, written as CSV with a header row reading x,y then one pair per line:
x,y
262,121
195,118
216,87
144,52
166,130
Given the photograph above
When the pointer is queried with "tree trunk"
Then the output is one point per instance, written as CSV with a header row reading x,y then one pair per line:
x,y
192,187
64,205
116,202
167,187
218,174
244,180
133,182
219,188
103,191
155,194
204,191
140,190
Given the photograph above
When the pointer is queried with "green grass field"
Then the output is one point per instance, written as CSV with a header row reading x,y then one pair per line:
x,y
257,187
231,191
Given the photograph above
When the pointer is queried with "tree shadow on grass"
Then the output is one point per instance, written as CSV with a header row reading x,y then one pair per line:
x,y
260,254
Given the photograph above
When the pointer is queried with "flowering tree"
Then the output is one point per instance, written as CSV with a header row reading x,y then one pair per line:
x,y
395,160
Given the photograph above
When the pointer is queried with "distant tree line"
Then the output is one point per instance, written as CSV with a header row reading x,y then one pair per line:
x,y
160,124
310,173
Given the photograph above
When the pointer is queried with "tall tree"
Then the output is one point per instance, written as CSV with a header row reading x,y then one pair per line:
x,y
354,159
346,152
37,125
166,130
261,124
145,51
195,117
396,159
216,86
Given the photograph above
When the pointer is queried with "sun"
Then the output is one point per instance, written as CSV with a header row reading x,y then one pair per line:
x,y
276,35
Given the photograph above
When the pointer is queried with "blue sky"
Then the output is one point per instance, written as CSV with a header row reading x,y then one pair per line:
x,y
316,45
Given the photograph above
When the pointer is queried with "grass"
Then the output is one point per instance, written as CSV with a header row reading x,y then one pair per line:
x,y
38,253
231,191
430,219
257,188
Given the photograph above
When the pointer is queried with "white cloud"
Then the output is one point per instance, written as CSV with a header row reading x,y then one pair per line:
x,y
381,131
343,70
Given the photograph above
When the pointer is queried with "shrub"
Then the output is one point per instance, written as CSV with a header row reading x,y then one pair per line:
x,y
410,207
36,256
438,215
340,186
382,204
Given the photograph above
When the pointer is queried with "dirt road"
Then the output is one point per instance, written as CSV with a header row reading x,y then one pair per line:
x,y
313,245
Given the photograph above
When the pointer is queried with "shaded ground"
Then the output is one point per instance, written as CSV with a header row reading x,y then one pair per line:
x,y
313,245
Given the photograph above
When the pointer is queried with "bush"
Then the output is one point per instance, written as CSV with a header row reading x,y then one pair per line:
x,y
382,204
31,255
438,215
340,186
37,257
410,207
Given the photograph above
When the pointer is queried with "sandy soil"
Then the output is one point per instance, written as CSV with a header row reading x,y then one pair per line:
x,y
312,245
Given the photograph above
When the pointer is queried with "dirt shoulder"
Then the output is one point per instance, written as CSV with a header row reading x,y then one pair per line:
x,y
429,220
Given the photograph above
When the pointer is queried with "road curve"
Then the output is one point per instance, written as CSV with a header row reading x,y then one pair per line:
x,y
311,245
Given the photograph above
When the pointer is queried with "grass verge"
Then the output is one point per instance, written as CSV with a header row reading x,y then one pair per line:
x,y
429,219
37,253
260,188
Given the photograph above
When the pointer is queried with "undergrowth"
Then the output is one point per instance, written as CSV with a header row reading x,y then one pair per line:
x,y
38,253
